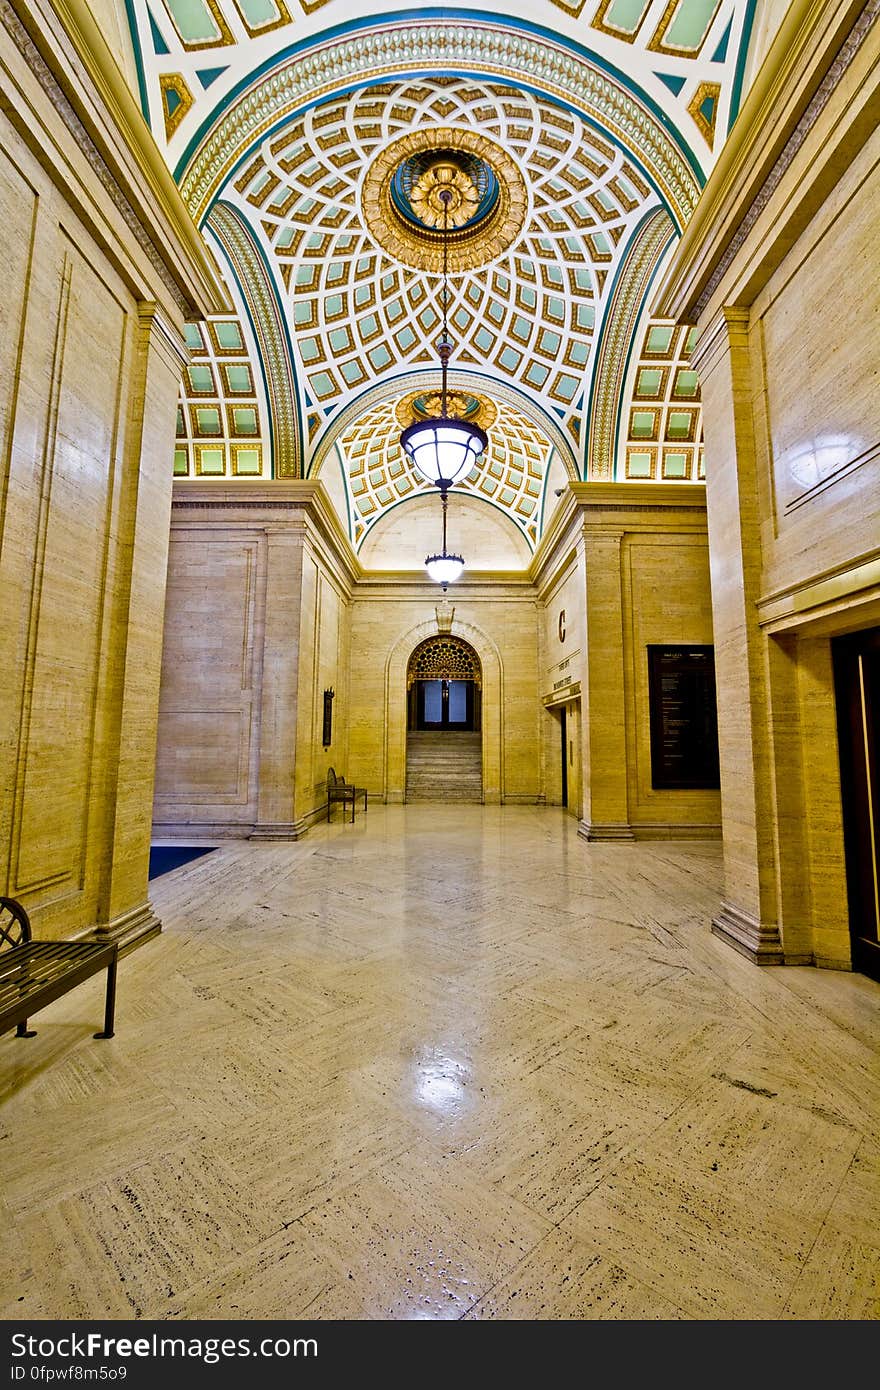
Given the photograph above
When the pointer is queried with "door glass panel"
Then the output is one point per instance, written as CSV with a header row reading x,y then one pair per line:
x,y
433,701
457,702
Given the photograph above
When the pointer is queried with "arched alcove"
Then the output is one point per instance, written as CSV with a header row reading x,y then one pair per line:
x,y
396,673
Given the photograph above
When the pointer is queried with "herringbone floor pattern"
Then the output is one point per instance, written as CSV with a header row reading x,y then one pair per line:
x,y
449,1061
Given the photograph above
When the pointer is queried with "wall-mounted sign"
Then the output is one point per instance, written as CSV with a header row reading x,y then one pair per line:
x,y
561,628
684,722
327,731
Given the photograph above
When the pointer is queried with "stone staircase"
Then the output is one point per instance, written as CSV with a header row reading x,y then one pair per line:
x,y
444,767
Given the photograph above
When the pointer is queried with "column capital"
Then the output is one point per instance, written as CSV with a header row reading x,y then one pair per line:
x,y
728,328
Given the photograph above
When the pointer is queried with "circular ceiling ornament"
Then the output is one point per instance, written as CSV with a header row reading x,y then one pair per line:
x,y
404,211
422,405
420,184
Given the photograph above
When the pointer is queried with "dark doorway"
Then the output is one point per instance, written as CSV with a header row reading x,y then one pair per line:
x,y
563,724
164,858
857,689
443,704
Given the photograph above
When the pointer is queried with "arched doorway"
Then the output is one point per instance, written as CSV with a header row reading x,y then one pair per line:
x,y
444,708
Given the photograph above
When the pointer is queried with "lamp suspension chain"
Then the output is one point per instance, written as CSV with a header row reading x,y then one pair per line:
x,y
445,198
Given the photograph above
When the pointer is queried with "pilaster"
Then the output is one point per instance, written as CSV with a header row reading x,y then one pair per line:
x,y
137,621
748,919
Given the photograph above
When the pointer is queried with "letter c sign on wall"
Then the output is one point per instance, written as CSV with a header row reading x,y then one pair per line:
x,y
562,626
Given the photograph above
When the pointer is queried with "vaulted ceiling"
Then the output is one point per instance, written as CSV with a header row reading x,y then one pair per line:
x,y
304,137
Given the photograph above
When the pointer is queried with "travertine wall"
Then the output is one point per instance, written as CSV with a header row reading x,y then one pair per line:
x,y
628,568
256,629
499,620
265,611
563,666
208,754
92,349
789,384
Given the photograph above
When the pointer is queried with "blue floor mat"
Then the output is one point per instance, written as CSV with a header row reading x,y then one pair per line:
x,y
164,858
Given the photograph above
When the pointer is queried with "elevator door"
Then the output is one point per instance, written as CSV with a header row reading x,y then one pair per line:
x,y
857,688
563,722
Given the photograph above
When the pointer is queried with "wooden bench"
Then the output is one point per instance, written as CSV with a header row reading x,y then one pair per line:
x,y
36,973
340,790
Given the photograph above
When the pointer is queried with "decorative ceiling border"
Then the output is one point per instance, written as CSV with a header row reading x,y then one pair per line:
x,y
616,339
542,64
267,320
473,382
135,223
830,82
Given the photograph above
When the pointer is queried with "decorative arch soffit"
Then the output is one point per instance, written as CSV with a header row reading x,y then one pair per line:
x,y
201,61
481,384
511,476
622,315
258,289
406,47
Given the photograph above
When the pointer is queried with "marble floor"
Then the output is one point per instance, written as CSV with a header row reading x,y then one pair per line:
x,y
447,1062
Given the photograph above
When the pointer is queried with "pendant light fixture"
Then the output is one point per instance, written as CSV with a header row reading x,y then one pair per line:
x,y
443,568
442,448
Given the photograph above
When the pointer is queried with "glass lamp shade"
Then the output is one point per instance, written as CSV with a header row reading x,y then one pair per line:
x,y
443,450
444,569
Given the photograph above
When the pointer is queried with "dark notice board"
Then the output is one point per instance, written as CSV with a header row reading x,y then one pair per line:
x,y
684,722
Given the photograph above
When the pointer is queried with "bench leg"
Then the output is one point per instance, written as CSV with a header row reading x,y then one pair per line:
x,y
22,1031
110,1002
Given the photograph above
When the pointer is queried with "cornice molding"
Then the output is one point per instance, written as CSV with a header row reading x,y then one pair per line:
x,y
815,46
589,505
304,502
63,46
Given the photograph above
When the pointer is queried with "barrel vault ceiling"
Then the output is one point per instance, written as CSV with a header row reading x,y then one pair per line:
x,y
297,132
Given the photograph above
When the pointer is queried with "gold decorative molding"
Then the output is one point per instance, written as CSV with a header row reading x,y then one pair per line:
x,y
107,124
459,405
422,248
814,47
705,91
621,319
173,84
236,239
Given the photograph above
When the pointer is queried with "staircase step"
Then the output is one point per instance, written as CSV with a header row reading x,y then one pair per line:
x,y
444,766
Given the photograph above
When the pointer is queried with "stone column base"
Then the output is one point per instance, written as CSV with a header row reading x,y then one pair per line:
x,y
760,944
609,830
280,830
129,931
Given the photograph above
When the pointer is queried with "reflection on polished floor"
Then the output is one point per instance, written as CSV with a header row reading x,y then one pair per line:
x,y
447,1062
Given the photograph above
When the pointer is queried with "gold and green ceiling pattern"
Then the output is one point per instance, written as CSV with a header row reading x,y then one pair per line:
x,y
511,474
194,54
357,315
663,423
286,124
221,415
